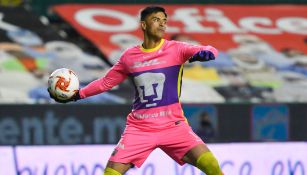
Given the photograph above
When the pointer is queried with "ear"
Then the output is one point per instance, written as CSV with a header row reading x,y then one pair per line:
x,y
143,25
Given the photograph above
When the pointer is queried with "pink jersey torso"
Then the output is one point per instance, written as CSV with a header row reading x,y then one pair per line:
x,y
156,75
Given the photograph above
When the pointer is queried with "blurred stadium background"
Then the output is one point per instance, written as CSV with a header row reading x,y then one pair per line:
x,y
250,105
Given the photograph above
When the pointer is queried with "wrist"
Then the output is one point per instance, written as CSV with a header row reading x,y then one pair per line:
x,y
77,96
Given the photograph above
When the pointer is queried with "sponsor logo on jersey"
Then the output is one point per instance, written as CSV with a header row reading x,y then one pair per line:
x,y
139,64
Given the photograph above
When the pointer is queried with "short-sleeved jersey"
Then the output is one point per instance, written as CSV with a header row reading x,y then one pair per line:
x,y
156,75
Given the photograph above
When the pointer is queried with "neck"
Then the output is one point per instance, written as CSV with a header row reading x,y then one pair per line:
x,y
150,43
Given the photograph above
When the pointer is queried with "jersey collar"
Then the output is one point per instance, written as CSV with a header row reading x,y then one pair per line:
x,y
152,49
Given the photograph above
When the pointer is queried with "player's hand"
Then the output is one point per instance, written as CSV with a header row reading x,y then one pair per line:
x,y
203,55
75,97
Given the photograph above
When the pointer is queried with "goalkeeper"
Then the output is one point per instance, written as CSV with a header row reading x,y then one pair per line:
x,y
157,119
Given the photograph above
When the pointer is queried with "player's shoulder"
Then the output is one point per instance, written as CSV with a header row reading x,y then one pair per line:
x,y
130,51
175,43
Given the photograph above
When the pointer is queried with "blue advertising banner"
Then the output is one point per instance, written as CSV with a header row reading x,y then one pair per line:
x,y
104,124
270,122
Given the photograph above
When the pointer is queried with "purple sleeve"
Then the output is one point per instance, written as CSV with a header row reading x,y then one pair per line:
x,y
187,50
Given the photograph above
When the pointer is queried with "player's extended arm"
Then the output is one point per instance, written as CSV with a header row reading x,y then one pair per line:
x,y
113,77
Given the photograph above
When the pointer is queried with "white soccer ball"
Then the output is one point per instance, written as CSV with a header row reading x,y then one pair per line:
x,y
63,84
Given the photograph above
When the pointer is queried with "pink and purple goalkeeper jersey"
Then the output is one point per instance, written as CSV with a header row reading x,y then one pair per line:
x,y
156,75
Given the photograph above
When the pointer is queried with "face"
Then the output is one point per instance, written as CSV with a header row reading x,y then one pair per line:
x,y
154,25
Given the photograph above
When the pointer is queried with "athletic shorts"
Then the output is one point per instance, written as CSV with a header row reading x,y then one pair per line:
x,y
136,145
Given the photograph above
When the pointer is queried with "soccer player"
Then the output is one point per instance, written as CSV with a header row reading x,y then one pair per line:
x,y
157,119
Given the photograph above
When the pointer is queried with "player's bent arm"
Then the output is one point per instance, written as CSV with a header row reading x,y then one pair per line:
x,y
113,77
202,56
197,53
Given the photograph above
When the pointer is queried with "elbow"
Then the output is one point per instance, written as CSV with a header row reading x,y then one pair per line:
x,y
106,85
213,50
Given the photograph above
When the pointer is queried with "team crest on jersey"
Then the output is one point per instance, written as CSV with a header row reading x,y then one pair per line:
x,y
156,87
150,87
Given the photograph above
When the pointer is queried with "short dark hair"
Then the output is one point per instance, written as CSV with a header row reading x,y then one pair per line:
x,y
151,9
